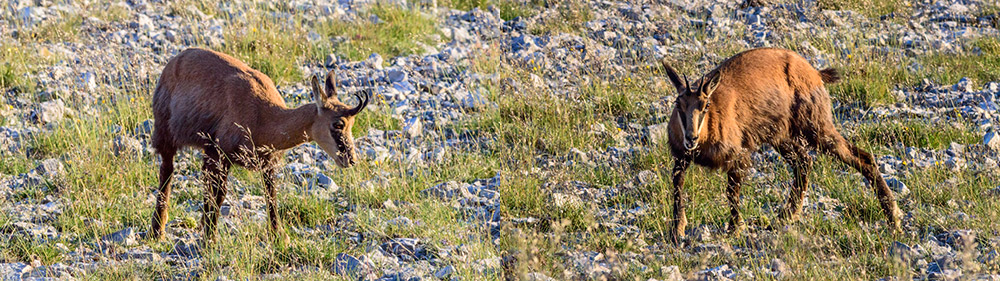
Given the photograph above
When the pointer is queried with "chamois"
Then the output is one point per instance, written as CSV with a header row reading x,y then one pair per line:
x,y
212,101
760,96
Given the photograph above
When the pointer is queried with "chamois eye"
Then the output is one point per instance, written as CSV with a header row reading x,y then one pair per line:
x,y
339,124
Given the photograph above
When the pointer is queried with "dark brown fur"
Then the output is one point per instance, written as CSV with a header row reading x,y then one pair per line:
x,y
761,96
215,102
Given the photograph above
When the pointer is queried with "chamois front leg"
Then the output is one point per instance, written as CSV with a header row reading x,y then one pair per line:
x,y
680,219
272,202
735,182
215,171
163,197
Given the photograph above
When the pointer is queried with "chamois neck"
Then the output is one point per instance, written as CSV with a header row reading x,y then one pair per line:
x,y
291,126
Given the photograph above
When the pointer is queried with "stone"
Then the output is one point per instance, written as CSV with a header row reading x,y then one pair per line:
x,y
446,190
126,147
14,271
187,249
331,61
347,265
658,133
401,221
126,236
897,186
145,128
375,60
396,75
50,112
49,168
325,182
719,272
671,273
413,127
444,272
405,247
87,81
779,269
992,140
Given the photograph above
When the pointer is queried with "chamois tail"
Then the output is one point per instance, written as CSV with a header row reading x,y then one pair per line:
x,y
830,75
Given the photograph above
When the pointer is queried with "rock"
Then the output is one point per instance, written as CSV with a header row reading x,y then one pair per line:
x,y
401,221
403,247
992,140
49,168
413,127
447,190
14,271
779,269
469,100
701,233
186,249
347,265
897,186
671,273
325,182
578,155
646,177
536,276
125,237
375,60
658,133
331,61
720,272
50,112
902,252
395,75
87,81
444,272
145,128
127,147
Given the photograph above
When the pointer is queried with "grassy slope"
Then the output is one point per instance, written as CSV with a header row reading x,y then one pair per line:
x,y
100,186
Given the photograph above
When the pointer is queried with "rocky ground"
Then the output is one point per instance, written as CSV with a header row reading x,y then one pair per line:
x,y
452,225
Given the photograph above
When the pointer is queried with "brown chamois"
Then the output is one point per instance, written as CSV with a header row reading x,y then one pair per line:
x,y
215,102
761,96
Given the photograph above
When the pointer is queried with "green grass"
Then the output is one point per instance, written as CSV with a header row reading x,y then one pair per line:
x,y
911,133
870,8
509,9
528,134
399,32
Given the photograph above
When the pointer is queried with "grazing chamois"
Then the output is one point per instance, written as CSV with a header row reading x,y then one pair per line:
x,y
212,101
761,96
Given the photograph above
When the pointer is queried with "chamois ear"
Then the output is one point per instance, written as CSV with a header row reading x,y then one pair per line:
x,y
674,78
711,82
318,95
331,84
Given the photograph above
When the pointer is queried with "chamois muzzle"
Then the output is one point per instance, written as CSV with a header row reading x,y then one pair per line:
x,y
690,143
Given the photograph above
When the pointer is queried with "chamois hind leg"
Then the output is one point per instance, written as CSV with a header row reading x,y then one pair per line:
x,y
215,171
163,196
864,162
797,156
680,219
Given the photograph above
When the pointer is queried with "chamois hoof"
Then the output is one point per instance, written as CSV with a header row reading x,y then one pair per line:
x,y
736,229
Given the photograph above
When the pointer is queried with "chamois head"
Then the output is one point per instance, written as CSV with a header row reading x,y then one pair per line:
x,y
691,105
332,127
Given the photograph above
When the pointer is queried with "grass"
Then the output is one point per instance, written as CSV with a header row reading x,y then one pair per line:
x,y
870,8
529,135
509,9
913,133
398,32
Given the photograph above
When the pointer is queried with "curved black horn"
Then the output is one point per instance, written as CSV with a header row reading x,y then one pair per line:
x,y
686,84
362,102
